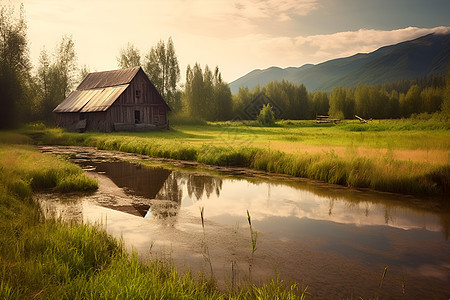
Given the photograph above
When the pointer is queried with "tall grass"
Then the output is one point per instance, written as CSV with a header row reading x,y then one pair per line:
x,y
25,169
380,173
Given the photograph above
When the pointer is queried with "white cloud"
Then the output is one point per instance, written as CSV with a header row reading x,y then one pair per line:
x,y
342,44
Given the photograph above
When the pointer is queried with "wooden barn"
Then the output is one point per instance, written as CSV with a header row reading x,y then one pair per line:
x,y
120,100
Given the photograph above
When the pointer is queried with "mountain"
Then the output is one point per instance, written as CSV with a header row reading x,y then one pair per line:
x,y
424,56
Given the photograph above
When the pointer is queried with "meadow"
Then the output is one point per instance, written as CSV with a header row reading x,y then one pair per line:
x,y
51,259
403,156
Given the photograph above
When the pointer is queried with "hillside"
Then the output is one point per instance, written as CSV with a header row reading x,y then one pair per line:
x,y
424,56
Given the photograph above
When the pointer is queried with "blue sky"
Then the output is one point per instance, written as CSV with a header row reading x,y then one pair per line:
x,y
236,35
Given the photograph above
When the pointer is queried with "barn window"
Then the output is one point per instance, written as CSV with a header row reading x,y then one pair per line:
x,y
137,117
138,94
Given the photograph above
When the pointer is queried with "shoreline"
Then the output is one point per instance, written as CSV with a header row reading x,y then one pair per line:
x,y
384,174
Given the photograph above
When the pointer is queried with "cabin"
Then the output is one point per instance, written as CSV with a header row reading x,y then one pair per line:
x,y
119,100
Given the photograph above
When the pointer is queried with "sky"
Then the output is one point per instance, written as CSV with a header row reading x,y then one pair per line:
x,y
238,36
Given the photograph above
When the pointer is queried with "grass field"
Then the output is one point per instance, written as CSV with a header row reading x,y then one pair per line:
x,y
402,156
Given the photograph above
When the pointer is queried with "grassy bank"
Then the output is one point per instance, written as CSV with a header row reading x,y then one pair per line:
x,y
48,259
402,156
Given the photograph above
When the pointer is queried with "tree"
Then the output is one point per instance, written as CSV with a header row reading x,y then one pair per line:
x,y
194,91
14,67
129,57
56,78
206,96
445,106
412,102
161,66
320,103
266,115
84,71
337,103
223,98
241,100
431,99
362,101
66,65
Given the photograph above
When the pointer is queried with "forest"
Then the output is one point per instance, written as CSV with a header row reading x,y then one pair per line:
x,y
30,93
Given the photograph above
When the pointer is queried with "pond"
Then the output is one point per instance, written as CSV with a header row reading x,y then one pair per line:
x,y
334,240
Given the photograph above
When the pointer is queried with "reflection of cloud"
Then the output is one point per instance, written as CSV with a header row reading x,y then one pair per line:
x,y
267,201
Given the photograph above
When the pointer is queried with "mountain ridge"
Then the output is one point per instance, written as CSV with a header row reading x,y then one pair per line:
x,y
420,57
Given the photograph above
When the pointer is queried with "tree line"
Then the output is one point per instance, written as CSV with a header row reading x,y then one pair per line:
x,y
27,95
425,95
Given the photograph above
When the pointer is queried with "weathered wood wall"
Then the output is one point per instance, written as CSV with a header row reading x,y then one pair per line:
x,y
149,104
141,96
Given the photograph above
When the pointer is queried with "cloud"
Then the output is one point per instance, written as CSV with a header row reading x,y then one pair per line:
x,y
261,51
361,41
275,9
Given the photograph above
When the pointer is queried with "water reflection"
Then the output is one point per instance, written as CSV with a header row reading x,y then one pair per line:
x,y
157,192
202,185
305,228
160,192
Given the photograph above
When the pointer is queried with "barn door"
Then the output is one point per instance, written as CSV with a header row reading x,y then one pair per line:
x,y
137,117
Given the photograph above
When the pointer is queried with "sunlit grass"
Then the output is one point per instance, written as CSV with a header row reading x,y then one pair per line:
x,y
40,171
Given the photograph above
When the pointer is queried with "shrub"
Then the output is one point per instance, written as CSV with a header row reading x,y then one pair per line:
x,y
266,115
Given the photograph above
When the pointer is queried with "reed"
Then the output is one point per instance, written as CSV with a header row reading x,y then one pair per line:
x,y
383,276
205,248
254,238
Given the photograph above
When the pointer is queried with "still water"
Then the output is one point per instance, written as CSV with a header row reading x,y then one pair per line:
x,y
335,241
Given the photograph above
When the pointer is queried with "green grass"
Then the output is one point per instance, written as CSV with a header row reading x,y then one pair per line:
x,y
49,259
23,169
401,156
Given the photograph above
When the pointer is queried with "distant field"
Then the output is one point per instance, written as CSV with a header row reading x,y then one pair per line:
x,y
398,139
403,156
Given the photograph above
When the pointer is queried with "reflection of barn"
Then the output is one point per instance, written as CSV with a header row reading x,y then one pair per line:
x,y
144,182
113,101
158,191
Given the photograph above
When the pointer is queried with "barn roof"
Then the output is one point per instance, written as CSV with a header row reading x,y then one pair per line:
x,y
98,91
91,100
108,79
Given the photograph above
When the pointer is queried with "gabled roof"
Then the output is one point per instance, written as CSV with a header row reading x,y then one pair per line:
x,y
108,79
91,100
99,90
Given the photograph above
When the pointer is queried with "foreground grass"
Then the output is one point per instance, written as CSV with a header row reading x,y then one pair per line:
x,y
48,259
271,149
